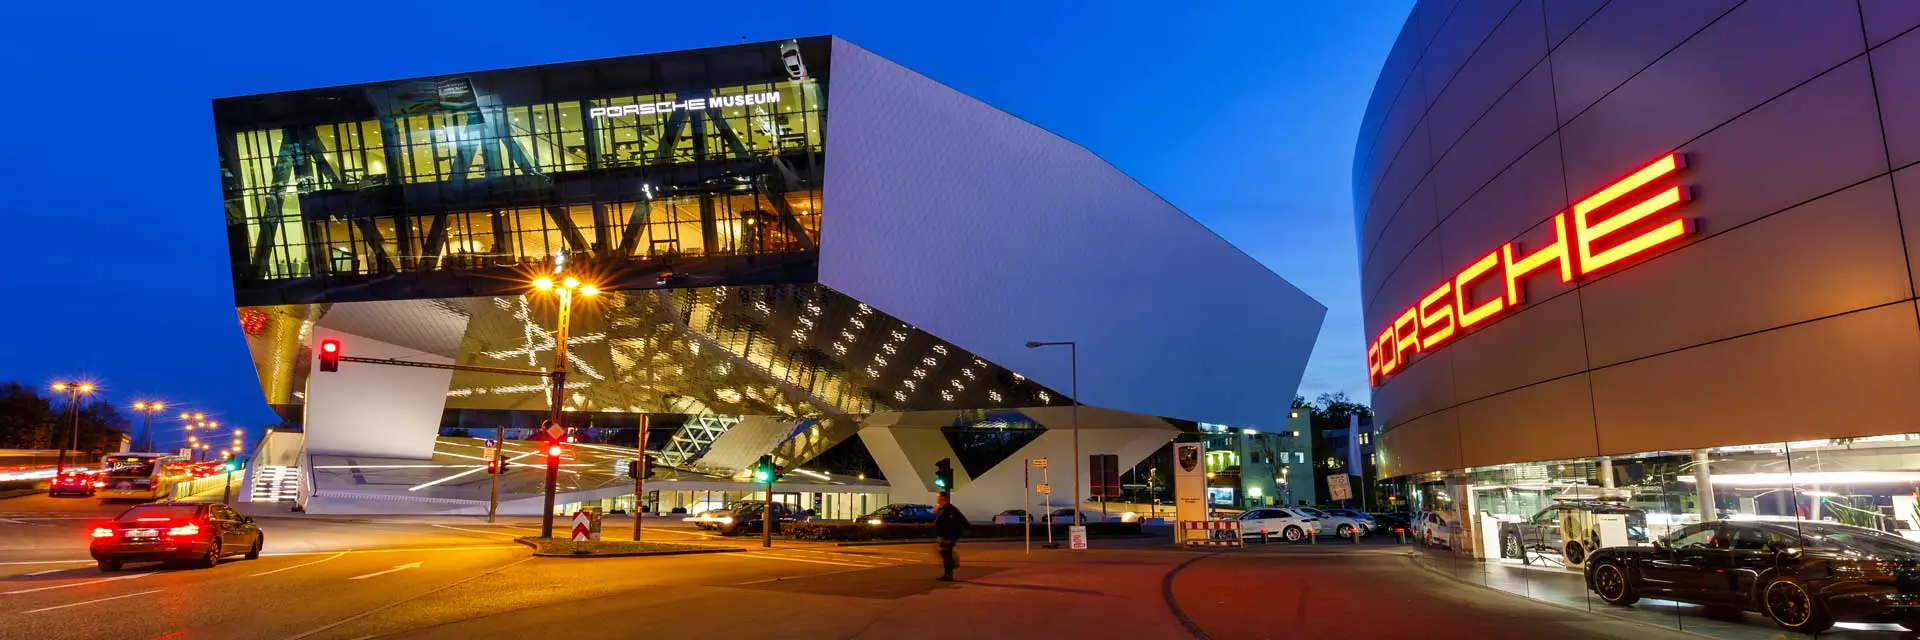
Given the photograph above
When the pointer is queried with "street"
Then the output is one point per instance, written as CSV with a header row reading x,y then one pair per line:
x,y
464,578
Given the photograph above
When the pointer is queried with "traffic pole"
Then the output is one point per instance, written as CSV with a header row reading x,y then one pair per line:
x,y
639,474
1026,501
766,516
559,377
226,489
499,465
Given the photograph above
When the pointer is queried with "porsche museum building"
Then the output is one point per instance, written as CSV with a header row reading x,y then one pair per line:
x,y
805,251
1640,291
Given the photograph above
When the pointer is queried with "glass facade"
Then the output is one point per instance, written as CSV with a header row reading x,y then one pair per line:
x,y
1711,541
686,161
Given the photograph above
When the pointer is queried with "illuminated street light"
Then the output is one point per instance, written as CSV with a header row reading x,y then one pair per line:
x,y
558,375
146,423
73,390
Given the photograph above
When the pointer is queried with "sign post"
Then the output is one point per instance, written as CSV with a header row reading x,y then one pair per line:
x,y
582,530
1189,483
1046,489
1338,489
498,448
639,471
1026,502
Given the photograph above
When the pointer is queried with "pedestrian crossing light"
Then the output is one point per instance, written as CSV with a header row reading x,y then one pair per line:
x,y
329,355
943,474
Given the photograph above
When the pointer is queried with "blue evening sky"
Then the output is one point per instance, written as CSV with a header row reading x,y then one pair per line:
x,y
1241,113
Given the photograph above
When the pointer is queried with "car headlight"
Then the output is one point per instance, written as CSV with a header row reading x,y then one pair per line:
x,y
724,519
873,521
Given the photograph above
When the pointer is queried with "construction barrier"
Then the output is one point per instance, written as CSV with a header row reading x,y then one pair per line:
x,y
1206,529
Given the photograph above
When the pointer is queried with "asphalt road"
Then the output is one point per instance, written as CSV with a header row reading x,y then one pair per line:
x,y
462,578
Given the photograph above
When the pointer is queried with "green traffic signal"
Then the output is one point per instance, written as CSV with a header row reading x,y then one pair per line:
x,y
763,470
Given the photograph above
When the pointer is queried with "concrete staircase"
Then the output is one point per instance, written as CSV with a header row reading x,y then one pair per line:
x,y
275,483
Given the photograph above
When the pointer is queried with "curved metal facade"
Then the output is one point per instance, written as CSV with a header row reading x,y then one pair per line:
x,y
1782,310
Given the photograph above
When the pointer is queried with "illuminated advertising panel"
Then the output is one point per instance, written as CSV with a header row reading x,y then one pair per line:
x,y
1622,220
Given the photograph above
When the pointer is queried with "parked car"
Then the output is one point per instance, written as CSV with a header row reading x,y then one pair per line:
x,y
1805,576
1342,526
200,534
74,483
1285,522
1546,530
1432,530
1391,521
1010,516
1064,515
1364,518
899,513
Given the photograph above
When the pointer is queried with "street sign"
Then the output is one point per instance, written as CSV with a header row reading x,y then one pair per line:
x,y
1077,537
1337,487
582,526
1105,475
556,432
1043,488
623,468
1039,463
488,454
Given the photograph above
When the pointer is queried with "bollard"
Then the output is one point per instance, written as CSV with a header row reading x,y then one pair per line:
x,y
1313,537
1355,537
1403,535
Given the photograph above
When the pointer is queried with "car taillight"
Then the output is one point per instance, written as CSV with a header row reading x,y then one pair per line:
x,y
102,532
185,530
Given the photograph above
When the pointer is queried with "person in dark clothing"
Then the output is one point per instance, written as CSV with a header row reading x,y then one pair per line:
x,y
948,525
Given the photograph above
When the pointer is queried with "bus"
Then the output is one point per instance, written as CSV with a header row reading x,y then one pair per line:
x,y
140,476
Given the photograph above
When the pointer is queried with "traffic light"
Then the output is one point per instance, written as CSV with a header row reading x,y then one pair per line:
x,y
637,469
763,470
329,355
493,465
501,462
943,474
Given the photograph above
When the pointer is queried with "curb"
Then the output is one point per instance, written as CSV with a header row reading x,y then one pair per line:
x,y
629,554
1411,555
878,543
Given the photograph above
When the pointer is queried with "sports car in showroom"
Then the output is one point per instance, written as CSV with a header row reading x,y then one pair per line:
x,y
1805,575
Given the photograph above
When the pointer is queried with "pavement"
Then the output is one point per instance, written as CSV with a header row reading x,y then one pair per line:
x,y
325,578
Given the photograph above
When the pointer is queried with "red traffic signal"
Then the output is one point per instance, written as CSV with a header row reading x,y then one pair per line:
x,y
555,450
329,355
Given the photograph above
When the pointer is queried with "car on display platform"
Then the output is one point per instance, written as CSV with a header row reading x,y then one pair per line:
x,y
1290,525
74,483
1342,526
899,513
1804,575
196,534
1546,531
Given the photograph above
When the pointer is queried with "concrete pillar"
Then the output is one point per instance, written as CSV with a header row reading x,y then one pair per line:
x,y
1703,485
1606,473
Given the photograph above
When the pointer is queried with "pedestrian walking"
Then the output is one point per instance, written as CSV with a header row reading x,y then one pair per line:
x,y
948,525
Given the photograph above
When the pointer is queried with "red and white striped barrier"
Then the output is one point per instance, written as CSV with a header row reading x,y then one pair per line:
x,y
1207,527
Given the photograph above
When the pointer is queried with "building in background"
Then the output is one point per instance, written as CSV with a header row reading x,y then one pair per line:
x,y
856,333
1253,468
1651,254
1350,451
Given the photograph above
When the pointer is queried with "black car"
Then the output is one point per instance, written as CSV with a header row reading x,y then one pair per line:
x,y
899,513
746,518
1390,522
1542,532
200,534
1803,575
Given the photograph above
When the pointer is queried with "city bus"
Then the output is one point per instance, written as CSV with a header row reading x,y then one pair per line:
x,y
140,476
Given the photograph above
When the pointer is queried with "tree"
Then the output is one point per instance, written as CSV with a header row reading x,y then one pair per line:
x,y
1331,410
26,419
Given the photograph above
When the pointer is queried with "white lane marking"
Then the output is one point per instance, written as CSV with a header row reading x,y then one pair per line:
x,y
772,556
404,567
684,533
266,573
477,547
855,558
47,562
76,604
42,573
79,584
497,533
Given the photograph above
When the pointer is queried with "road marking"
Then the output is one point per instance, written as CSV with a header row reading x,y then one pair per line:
x,y
878,559
76,604
773,556
42,573
477,547
496,533
395,603
79,584
685,533
287,568
47,562
404,567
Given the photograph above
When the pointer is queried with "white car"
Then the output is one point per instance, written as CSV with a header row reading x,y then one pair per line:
x,y
1064,515
1431,529
1342,526
1365,519
1281,521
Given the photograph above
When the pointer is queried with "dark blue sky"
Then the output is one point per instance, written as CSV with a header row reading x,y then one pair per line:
x,y
1243,114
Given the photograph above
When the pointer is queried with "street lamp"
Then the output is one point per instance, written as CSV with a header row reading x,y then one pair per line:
x,y
73,390
1073,363
565,288
146,423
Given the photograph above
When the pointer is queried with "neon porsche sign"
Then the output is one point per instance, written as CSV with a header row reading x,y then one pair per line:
x,y
1586,240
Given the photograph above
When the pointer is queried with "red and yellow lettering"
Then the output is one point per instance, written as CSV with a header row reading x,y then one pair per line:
x,y
1373,362
1586,233
1517,269
1436,324
1406,335
1470,315
1388,362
